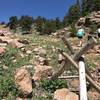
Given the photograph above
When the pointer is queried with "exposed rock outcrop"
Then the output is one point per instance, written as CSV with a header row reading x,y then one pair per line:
x,y
93,17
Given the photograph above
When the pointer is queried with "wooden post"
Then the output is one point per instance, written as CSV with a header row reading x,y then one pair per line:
x,y
82,79
86,47
66,42
69,59
67,77
76,57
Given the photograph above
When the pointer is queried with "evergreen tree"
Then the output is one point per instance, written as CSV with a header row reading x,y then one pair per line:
x,y
13,22
65,21
89,6
26,22
40,23
49,27
73,13
58,23
96,5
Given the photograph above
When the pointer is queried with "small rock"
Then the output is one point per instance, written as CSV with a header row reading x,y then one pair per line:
x,y
28,52
28,66
2,50
24,41
40,51
5,67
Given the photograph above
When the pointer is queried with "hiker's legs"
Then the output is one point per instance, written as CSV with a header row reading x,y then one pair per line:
x,y
81,42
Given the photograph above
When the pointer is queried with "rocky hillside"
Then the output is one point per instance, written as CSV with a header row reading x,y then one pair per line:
x,y
26,62
93,17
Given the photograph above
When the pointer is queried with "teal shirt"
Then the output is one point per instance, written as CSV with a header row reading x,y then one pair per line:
x,y
80,32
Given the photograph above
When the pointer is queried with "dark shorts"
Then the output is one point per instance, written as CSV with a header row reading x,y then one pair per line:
x,y
99,35
80,37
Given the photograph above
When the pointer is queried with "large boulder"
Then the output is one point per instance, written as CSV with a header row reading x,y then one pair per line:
x,y
23,81
65,94
42,72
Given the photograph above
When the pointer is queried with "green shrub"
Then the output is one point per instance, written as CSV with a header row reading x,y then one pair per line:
x,y
51,86
93,27
7,86
87,22
73,30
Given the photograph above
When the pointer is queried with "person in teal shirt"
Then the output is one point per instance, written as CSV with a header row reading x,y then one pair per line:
x,y
80,34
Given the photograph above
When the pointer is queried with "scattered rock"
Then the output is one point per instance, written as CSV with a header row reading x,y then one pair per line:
x,y
40,51
60,58
2,50
42,72
23,81
21,98
92,95
74,83
17,44
22,55
28,52
94,17
5,39
28,66
24,41
23,50
5,67
65,94
81,21
41,60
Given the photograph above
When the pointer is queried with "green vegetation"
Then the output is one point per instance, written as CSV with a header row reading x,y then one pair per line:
x,y
73,30
89,6
51,86
7,85
12,58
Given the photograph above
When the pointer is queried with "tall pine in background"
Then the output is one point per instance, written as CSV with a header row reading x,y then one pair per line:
x,y
73,14
89,6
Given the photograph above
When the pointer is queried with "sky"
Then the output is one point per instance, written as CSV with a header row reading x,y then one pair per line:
x,y
45,8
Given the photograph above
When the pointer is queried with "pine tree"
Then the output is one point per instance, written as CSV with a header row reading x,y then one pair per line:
x,y
74,13
25,23
96,5
13,22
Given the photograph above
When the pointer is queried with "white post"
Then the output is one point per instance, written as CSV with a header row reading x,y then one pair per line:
x,y
82,79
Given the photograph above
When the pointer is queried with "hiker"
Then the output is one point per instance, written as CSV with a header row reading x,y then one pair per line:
x,y
80,34
90,35
98,31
